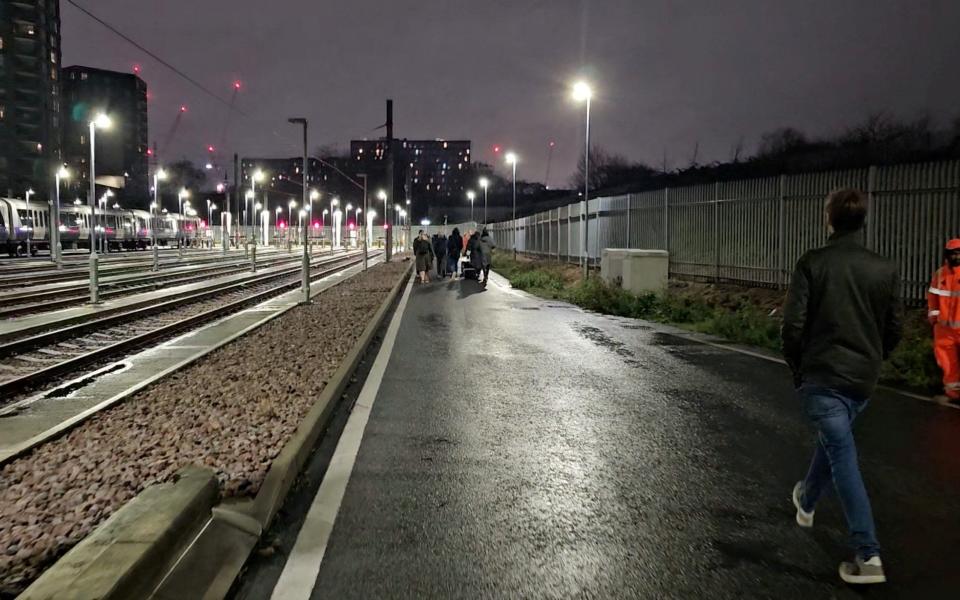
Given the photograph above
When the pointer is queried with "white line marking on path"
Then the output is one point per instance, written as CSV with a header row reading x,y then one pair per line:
x,y
303,565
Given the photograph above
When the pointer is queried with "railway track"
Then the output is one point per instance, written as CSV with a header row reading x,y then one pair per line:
x,y
20,303
12,279
47,357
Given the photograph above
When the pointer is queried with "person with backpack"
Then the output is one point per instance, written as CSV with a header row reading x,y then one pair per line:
x,y
454,245
423,251
486,254
841,320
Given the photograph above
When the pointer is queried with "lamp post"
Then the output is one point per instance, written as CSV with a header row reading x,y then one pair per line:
x,y
155,208
57,249
346,223
471,195
305,274
103,122
210,209
314,195
382,194
256,213
183,193
276,226
512,161
323,225
367,220
104,247
334,202
29,193
484,183
257,176
581,93
290,206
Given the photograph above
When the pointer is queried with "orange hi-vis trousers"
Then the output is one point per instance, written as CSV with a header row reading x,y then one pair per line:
x,y
946,348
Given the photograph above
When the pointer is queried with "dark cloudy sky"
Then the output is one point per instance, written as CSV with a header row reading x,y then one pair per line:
x,y
668,74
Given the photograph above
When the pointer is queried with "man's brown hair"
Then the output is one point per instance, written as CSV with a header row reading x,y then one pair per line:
x,y
846,210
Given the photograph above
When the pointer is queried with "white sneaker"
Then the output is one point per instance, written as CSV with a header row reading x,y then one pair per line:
x,y
863,572
804,518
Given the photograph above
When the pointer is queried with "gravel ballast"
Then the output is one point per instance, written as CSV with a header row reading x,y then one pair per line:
x,y
231,411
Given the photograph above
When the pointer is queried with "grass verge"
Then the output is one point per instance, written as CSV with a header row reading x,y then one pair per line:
x,y
742,315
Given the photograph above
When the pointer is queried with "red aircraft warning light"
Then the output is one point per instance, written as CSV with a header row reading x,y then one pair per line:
x,y
210,149
183,108
496,149
149,151
236,85
136,69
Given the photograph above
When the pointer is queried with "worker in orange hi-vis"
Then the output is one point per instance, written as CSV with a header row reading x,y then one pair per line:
x,y
943,303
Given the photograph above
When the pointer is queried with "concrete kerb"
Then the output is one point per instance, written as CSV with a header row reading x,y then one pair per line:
x,y
286,466
120,558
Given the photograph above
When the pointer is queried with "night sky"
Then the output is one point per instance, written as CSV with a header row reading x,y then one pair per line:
x,y
667,74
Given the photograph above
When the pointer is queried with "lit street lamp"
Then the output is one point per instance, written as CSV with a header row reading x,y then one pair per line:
x,y
101,121
471,195
583,93
250,219
276,226
484,183
512,161
57,249
183,193
155,208
29,193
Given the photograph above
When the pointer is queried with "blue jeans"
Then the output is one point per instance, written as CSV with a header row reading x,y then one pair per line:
x,y
835,461
452,263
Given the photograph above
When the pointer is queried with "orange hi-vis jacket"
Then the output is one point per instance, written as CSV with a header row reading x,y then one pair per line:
x,y
943,297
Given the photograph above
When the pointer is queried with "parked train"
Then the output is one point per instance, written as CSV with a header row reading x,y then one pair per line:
x,y
122,229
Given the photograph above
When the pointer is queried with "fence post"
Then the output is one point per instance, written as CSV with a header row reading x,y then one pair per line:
x,y
558,234
781,205
629,201
716,231
666,226
872,210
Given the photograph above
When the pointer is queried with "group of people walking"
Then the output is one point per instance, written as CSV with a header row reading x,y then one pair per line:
x,y
468,256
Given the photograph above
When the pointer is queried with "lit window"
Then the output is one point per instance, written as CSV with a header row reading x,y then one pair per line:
x,y
3,111
83,76
83,140
53,57
39,147
30,30
444,144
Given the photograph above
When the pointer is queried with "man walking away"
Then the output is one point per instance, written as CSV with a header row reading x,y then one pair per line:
x,y
486,254
841,320
424,254
440,251
943,304
454,245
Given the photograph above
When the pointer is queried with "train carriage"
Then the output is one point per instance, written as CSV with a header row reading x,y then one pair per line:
x,y
23,222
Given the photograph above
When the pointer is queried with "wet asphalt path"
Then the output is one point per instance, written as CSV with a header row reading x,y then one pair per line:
x,y
524,448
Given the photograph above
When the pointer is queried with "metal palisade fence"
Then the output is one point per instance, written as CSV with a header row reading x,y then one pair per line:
x,y
752,232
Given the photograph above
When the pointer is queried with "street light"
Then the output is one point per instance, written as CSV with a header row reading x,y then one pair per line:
x,y
484,183
334,202
158,176
276,220
290,206
99,121
583,93
512,161
471,195
183,193
29,193
57,249
210,209
305,272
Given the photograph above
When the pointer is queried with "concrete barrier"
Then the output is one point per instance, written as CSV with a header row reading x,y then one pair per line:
x,y
126,556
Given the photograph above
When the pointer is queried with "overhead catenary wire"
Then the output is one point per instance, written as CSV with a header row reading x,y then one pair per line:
x,y
157,58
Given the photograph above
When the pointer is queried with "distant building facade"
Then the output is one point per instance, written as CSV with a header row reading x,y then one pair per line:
x,y
431,172
121,152
30,96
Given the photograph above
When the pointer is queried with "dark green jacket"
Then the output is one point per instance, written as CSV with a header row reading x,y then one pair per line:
x,y
842,316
